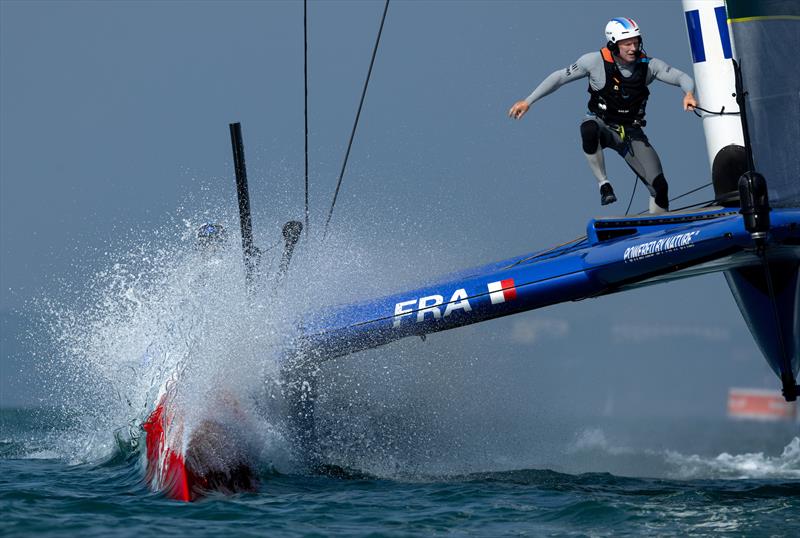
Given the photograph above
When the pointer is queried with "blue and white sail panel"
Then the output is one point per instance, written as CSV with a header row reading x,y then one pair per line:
x,y
695,36
767,38
712,50
707,28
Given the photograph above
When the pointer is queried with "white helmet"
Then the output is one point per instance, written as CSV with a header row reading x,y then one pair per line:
x,y
621,28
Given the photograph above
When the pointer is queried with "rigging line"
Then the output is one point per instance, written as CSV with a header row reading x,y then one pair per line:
x,y
263,250
706,203
633,192
712,113
305,87
355,124
575,242
687,193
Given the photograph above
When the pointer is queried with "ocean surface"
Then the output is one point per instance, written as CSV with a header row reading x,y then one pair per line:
x,y
46,491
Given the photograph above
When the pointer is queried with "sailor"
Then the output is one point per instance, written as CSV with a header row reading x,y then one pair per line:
x,y
211,237
618,78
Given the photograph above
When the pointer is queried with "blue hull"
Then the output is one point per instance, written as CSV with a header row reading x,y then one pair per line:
x,y
615,255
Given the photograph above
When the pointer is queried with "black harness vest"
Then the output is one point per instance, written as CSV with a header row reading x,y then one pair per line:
x,y
622,100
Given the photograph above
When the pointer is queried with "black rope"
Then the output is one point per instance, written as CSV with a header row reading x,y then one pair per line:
x,y
712,113
633,192
687,193
578,241
574,242
355,124
305,87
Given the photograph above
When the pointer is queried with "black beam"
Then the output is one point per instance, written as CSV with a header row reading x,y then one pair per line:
x,y
245,219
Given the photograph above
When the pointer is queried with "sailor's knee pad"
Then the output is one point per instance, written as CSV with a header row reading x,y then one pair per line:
x,y
590,135
662,191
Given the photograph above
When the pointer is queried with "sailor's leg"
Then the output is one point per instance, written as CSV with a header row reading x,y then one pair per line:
x,y
643,159
591,130
590,137
659,202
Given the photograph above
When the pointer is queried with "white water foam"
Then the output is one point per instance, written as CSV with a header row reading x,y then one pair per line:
x,y
603,452
736,466
166,309
595,439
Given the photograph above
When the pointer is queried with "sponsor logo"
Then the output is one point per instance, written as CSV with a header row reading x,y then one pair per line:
x,y
435,307
432,306
660,246
570,69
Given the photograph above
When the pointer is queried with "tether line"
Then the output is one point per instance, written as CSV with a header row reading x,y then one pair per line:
x,y
355,124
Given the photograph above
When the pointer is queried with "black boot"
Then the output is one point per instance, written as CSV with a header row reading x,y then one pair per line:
x,y
607,194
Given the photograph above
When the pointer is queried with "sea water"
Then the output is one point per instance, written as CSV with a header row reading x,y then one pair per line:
x,y
417,459
744,494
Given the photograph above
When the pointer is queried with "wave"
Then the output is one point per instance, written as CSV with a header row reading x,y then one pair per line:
x,y
596,445
750,465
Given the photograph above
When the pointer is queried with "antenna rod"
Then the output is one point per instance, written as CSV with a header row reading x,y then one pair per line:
x,y
245,220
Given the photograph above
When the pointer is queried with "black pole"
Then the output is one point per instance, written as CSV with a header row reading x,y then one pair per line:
x,y
245,220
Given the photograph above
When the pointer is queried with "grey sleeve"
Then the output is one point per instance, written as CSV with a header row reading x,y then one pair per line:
x,y
659,69
555,80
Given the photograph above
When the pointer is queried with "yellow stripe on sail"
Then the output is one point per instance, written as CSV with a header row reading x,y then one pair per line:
x,y
767,18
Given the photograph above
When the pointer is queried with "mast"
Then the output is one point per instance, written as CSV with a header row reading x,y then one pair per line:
x,y
712,59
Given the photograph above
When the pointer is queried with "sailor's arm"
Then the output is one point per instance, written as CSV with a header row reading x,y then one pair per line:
x,y
554,81
660,70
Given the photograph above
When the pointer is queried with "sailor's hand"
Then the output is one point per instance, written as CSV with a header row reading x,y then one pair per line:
x,y
689,102
518,110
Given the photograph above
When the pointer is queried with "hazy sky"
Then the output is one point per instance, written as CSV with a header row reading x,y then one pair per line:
x,y
114,119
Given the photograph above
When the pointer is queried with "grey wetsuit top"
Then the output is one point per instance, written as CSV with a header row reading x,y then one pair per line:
x,y
591,65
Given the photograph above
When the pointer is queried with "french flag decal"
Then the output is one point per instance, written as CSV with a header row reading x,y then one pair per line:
x,y
502,291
